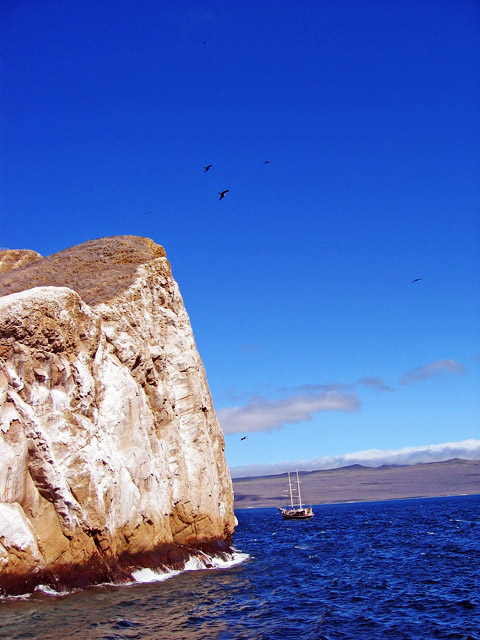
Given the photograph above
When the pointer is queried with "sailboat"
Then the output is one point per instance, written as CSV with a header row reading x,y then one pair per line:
x,y
295,512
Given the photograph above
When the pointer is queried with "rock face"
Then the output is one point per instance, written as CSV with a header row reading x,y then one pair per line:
x,y
111,456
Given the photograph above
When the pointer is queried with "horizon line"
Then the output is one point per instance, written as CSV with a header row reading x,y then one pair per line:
x,y
468,450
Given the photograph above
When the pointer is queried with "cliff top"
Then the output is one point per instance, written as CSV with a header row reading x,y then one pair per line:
x,y
16,258
98,270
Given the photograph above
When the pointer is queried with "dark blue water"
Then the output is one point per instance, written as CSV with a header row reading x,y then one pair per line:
x,y
405,569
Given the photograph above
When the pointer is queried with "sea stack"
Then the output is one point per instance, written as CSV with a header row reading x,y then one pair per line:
x,y
111,455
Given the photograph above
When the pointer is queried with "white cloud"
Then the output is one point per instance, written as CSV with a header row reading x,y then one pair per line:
x,y
432,369
260,414
374,383
321,388
467,450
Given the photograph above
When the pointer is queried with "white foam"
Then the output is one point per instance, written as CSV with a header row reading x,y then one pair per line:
x,y
195,563
198,562
233,559
22,596
50,591
149,575
42,588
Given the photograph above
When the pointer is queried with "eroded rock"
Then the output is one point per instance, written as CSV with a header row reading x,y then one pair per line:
x,y
111,455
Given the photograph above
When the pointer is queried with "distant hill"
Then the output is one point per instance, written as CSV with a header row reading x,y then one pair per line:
x,y
357,483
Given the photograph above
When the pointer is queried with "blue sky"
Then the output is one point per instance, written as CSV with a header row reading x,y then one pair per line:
x,y
316,343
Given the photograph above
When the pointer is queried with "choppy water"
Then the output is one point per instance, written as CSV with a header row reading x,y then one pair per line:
x,y
395,570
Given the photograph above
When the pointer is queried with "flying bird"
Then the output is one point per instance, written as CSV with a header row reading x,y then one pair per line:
x,y
222,193
207,168
267,162
147,213
244,438
417,280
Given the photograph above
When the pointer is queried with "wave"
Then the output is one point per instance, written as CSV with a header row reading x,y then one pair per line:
x,y
198,561
22,596
43,589
47,590
150,575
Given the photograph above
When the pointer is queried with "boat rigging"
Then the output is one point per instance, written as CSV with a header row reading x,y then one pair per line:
x,y
295,512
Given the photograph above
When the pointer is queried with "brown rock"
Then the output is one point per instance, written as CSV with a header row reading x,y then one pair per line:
x,y
111,455
17,258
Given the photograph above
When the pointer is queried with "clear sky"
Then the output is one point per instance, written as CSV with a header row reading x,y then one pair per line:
x,y
298,283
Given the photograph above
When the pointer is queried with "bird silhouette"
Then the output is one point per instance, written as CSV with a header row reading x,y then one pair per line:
x,y
207,168
147,213
244,438
417,280
222,193
267,162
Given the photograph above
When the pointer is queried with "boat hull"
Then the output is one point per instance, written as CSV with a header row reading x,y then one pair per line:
x,y
296,514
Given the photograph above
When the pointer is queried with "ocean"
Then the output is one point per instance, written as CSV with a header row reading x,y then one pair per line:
x,y
402,569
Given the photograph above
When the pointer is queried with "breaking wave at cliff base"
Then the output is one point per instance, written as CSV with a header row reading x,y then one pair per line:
x,y
199,561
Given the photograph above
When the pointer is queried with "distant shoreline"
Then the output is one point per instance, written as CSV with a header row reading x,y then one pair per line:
x,y
364,484
321,504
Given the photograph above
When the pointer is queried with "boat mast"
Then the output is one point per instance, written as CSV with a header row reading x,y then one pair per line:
x,y
299,494
290,489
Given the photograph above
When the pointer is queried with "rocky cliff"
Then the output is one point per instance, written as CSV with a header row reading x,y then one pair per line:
x,y
111,456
